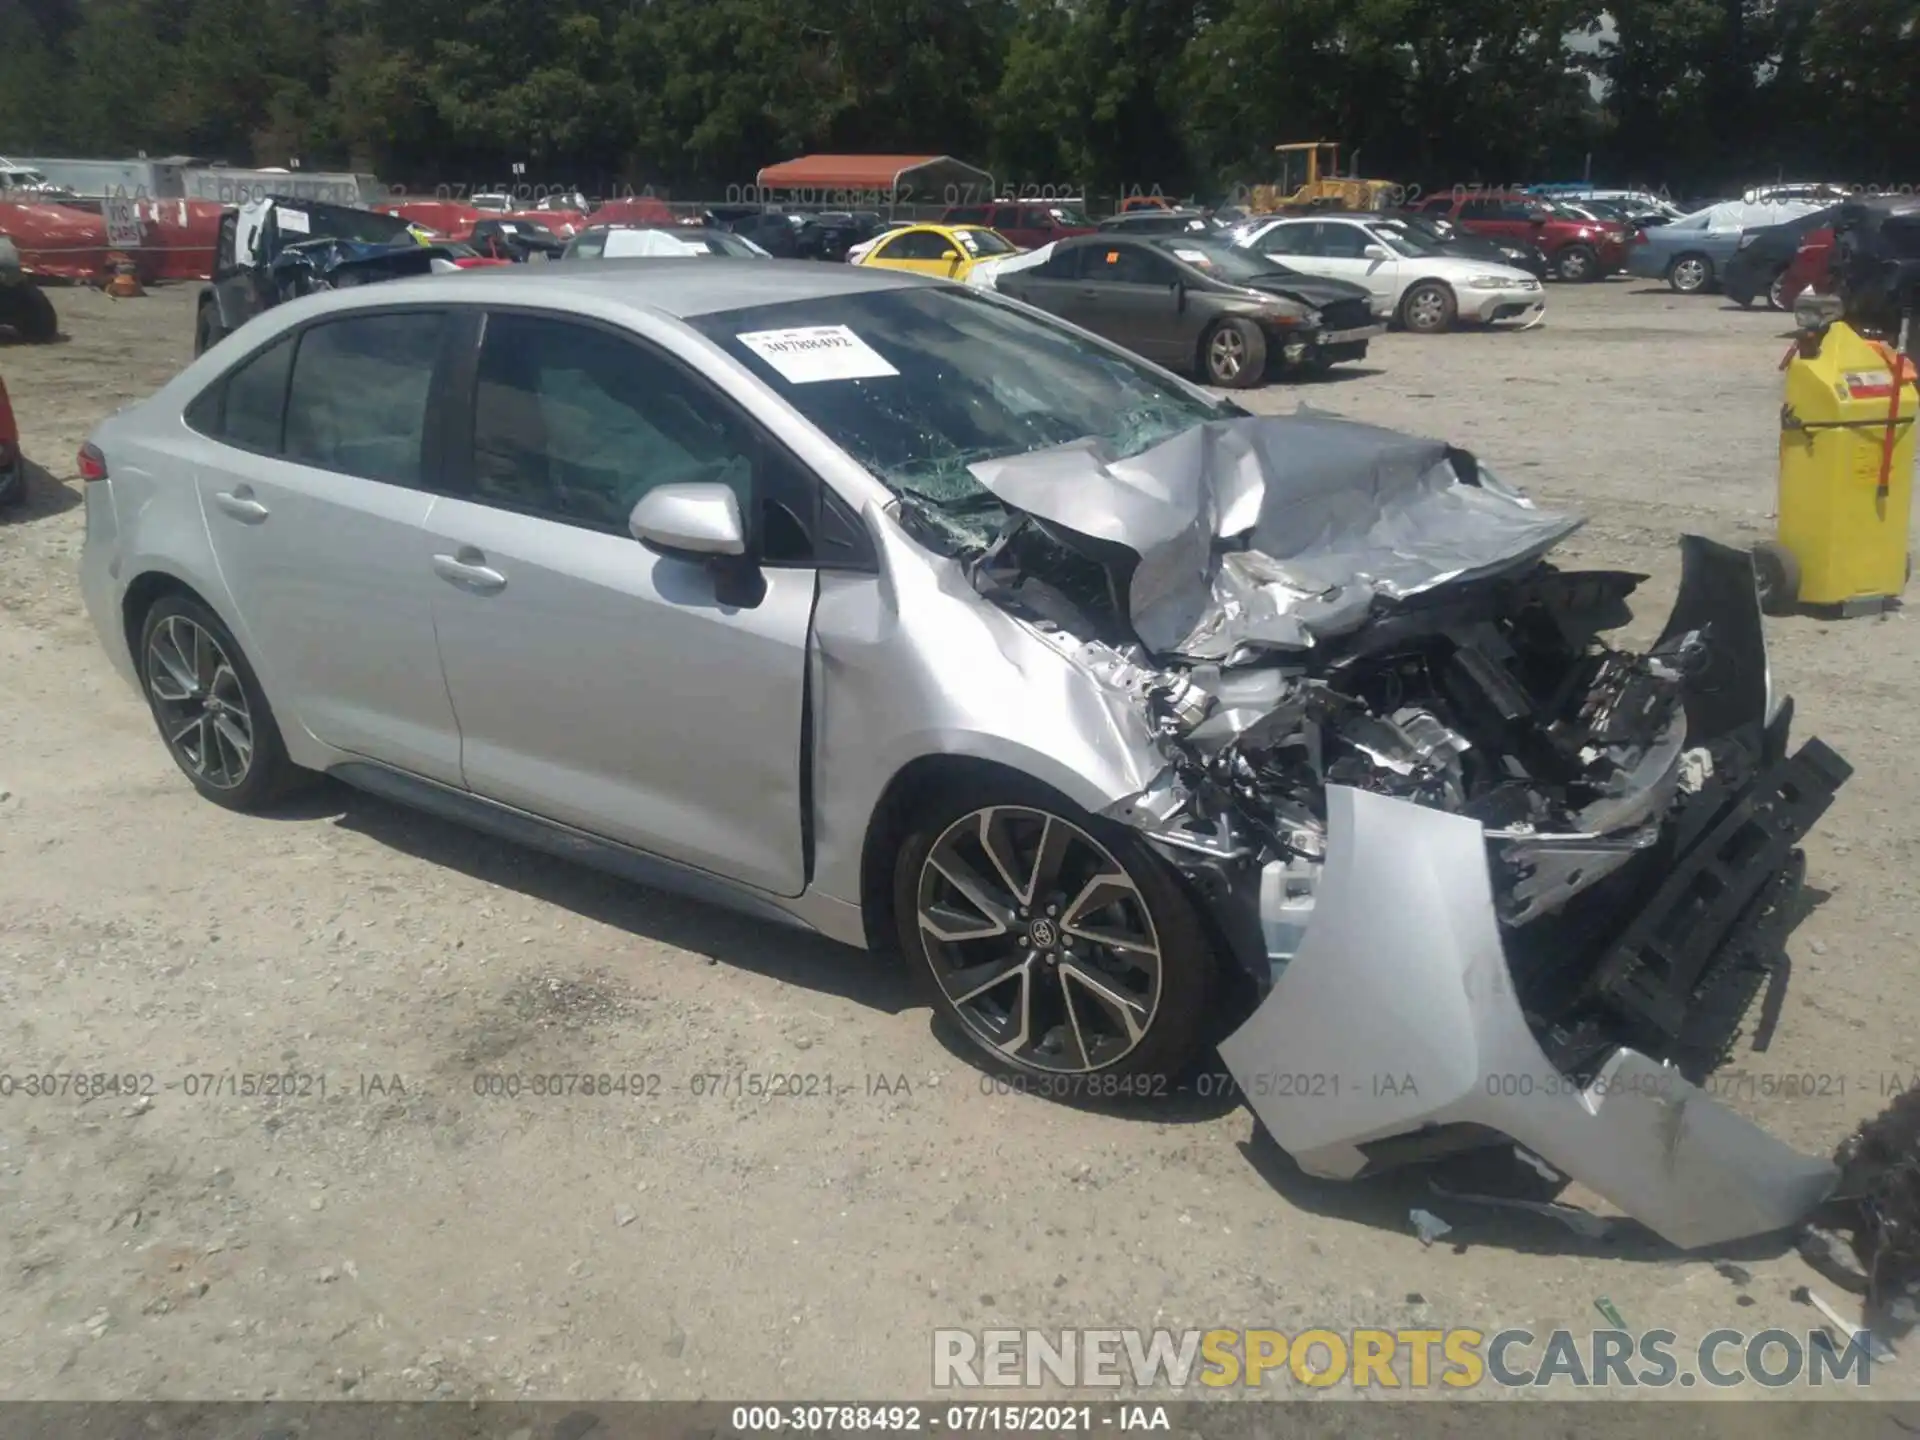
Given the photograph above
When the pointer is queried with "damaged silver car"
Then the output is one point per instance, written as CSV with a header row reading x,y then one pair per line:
x,y
909,614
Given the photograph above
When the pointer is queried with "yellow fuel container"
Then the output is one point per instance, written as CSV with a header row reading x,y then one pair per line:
x,y
1846,478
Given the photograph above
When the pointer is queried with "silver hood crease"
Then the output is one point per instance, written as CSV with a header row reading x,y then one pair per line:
x,y
1333,514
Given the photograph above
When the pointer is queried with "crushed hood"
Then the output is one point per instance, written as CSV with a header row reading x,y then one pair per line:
x,y
1274,532
1316,290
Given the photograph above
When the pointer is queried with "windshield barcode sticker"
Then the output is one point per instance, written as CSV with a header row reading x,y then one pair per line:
x,y
817,352
292,222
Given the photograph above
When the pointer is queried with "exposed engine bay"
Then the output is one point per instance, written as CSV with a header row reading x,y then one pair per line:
x,y
1376,617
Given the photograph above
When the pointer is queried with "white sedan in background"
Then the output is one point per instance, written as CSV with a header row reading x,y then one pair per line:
x,y
1417,283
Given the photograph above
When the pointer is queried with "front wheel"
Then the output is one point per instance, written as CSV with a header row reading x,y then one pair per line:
x,y
1777,293
1428,308
1058,943
1233,354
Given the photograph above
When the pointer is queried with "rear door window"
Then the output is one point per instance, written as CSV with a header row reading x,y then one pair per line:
x,y
358,400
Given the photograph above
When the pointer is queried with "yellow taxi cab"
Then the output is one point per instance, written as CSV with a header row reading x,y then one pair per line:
x,y
948,251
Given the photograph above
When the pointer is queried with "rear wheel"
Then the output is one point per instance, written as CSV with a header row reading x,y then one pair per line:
x,y
1690,274
1577,263
26,310
206,328
1777,574
1428,308
1058,943
1777,292
209,707
1233,354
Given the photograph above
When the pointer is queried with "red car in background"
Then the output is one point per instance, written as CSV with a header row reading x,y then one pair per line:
x,y
1576,248
1809,270
13,467
1027,223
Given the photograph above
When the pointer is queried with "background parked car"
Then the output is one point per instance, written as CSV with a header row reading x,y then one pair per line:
x,y
830,234
1577,248
1028,224
1452,240
1423,287
1193,306
1152,220
1811,267
948,252
1692,253
1758,268
624,242
516,240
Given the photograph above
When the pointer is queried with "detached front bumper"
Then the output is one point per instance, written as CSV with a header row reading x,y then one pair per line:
x,y
1398,1026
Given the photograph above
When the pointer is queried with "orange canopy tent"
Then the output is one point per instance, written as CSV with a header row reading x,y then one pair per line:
x,y
901,179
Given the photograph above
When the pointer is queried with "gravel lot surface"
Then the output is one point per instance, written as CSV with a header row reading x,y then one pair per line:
x,y
400,1236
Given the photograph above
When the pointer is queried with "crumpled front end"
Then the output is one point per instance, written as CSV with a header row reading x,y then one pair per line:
x,y
1498,881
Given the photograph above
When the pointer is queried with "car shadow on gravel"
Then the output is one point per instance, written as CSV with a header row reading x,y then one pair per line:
x,y
784,953
46,496
1386,1202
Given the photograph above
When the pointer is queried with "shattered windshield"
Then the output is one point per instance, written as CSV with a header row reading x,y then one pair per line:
x,y
918,384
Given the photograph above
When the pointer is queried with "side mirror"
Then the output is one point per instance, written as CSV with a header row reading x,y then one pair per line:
x,y
697,521
1377,252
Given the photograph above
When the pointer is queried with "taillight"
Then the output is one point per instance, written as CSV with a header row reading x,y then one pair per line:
x,y
93,465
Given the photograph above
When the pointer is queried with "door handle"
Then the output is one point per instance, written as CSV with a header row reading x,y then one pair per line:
x,y
240,504
469,570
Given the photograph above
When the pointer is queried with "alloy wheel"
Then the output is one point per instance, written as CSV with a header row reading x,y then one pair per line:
x,y
1040,939
1573,265
200,702
1226,353
1776,292
1689,275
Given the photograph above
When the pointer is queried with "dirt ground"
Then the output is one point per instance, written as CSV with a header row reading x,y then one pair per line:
x,y
401,1236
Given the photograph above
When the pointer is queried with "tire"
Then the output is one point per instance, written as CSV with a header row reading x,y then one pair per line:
x,y
1233,354
1429,308
1777,574
1577,265
1690,274
1082,1014
1776,292
202,699
26,308
206,328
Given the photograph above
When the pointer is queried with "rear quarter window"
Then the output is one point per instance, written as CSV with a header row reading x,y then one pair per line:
x,y
247,406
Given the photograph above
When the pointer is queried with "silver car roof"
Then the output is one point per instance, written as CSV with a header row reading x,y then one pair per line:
x,y
685,288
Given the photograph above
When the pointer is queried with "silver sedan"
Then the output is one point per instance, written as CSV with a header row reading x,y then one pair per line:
x,y
903,612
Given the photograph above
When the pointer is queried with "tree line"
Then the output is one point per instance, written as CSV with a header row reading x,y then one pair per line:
x,y
692,96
